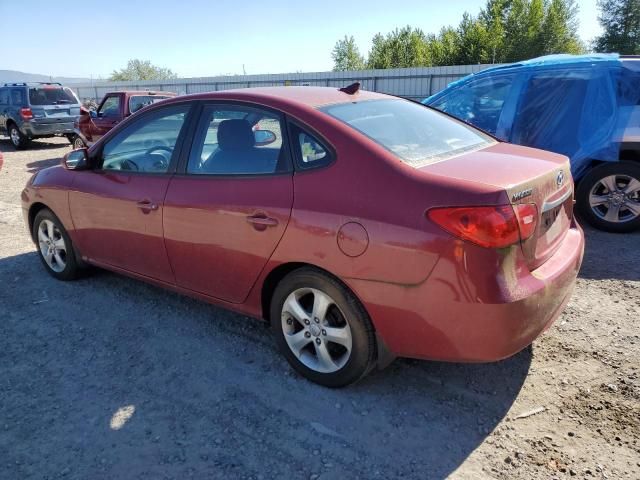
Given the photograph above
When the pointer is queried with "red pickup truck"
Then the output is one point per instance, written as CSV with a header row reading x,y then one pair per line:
x,y
114,107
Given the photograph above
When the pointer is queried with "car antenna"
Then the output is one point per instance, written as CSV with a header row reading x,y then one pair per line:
x,y
351,89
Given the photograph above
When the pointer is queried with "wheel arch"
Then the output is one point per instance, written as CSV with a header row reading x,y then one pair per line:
x,y
33,211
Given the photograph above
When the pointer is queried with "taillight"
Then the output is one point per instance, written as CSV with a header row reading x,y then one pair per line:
x,y
488,226
26,113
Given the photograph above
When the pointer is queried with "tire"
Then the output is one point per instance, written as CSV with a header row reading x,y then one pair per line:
x,y
615,208
76,141
17,139
350,357
51,236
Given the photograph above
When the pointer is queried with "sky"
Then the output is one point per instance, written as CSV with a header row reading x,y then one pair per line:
x,y
194,38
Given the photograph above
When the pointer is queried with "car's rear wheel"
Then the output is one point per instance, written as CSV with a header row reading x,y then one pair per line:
x,y
18,140
54,246
322,329
608,197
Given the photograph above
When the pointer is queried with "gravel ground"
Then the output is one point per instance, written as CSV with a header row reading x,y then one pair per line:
x,y
108,377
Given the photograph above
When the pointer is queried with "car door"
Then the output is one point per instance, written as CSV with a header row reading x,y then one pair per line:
x,y
109,114
227,208
117,207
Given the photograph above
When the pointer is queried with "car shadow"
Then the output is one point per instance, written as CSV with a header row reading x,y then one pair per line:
x,y
610,255
33,167
109,377
39,144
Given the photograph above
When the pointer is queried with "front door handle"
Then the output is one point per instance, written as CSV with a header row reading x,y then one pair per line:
x,y
147,205
262,221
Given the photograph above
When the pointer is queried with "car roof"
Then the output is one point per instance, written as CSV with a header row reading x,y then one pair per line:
x,y
301,96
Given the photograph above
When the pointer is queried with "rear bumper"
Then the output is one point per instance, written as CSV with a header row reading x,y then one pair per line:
x,y
35,129
444,319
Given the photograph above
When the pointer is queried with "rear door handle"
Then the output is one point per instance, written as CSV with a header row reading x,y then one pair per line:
x,y
262,221
147,205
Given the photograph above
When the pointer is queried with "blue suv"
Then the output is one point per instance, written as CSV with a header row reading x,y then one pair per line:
x,y
586,107
37,110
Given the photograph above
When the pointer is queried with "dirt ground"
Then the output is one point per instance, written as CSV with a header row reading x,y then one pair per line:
x,y
107,377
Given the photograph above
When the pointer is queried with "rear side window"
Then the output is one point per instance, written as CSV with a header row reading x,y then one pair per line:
x,y
138,102
51,95
4,96
414,133
17,96
238,140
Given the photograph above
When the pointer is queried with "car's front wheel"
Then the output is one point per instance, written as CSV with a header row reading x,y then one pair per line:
x,y
54,246
322,329
18,140
608,197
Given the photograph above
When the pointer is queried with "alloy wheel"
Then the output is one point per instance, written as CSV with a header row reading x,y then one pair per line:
x,y
316,330
616,198
78,143
52,246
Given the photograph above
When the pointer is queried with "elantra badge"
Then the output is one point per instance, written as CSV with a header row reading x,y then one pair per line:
x,y
520,195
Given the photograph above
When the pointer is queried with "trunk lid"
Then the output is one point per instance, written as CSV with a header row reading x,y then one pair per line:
x,y
526,175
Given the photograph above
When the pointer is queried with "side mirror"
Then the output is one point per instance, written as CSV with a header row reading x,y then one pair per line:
x,y
76,160
264,137
93,113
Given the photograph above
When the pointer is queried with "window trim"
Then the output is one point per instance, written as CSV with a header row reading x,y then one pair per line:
x,y
178,149
299,165
200,119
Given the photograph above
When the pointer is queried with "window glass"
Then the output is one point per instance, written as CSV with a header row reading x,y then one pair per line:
x,y
147,145
110,107
4,96
138,102
414,133
479,103
51,95
238,140
17,96
312,153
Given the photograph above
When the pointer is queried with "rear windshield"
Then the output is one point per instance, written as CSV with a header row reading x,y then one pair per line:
x,y
50,95
414,133
138,102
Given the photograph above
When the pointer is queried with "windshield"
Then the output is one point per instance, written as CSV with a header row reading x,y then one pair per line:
x,y
414,133
51,95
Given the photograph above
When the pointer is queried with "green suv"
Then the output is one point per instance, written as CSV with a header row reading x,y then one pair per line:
x,y
37,110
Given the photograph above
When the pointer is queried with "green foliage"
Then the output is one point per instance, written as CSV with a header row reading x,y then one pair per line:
x,y
346,55
503,31
141,70
621,22
405,47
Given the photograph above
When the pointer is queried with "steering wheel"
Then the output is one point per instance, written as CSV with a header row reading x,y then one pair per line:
x,y
164,163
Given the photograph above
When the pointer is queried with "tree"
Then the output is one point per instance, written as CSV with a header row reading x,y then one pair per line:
x,y
560,27
620,20
444,48
346,55
472,44
141,70
405,47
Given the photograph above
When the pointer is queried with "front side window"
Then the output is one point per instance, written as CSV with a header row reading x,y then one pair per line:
x,y
147,145
478,102
110,107
138,102
414,133
51,95
238,140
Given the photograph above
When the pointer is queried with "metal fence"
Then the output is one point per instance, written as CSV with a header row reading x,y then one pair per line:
x,y
414,83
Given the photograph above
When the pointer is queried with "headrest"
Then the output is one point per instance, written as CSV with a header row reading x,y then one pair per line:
x,y
235,134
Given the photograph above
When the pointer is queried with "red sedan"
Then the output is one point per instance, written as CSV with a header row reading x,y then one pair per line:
x,y
361,226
